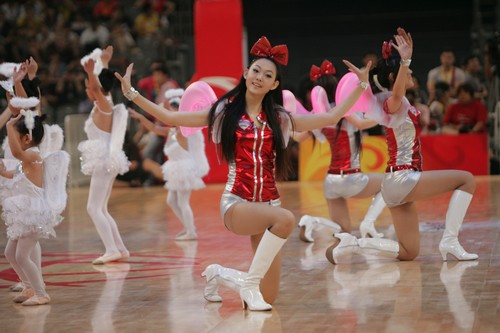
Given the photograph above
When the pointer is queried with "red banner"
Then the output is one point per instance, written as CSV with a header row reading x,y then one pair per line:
x,y
440,152
218,45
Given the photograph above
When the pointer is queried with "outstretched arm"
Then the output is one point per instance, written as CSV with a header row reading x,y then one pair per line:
x,y
314,121
186,119
361,123
159,130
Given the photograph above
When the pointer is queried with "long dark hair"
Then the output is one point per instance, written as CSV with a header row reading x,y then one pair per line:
x,y
236,108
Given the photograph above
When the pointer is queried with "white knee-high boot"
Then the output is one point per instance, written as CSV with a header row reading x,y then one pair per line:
x,y
350,245
459,203
217,275
366,228
308,222
250,294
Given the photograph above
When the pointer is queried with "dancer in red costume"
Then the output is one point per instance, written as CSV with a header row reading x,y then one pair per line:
x,y
252,132
344,178
404,181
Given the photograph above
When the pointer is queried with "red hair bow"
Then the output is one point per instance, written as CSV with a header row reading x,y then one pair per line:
x,y
262,48
326,68
386,49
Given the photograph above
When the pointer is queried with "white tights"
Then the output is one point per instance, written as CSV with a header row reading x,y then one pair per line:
x,y
179,202
20,253
101,185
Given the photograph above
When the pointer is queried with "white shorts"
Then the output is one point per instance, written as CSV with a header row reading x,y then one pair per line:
x,y
228,199
344,186
396,186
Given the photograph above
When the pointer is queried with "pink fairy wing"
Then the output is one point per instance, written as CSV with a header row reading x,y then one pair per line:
x,y
198,96
291,104
289,101
319,100
346,85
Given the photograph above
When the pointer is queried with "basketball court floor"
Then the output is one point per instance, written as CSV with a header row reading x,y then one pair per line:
x,y
159,288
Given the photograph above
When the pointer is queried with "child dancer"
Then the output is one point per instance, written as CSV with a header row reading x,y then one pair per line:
x,y
404,181
102,154
252,131
185,167
36,200
22,86
344,178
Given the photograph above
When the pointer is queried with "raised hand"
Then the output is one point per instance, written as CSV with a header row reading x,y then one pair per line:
x,y
362,73
404,44
20,72
126,79
89,67
106,56
32,68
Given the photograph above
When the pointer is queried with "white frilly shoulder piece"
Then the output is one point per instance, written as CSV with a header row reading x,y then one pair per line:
x,y
391,120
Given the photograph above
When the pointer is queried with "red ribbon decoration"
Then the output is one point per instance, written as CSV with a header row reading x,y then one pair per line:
x,y
326,68
386,49
263,49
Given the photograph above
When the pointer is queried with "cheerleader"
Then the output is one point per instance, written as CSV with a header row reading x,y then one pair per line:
x,y
185,167
344,178
36,200
102,154
252,131
404,181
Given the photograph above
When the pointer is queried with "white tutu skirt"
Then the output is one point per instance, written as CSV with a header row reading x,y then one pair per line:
x,y
95,155
24,215
181,175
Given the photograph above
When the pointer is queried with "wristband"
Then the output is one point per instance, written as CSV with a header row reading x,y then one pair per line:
x,y
363,84
131,94
405,62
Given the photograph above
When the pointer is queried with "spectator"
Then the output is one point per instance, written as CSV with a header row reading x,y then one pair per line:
x,y
95,36
475,76
147,22
446,72
466,115
438,107
104,8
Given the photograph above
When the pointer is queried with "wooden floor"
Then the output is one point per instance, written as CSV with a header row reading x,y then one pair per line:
x,y
159,289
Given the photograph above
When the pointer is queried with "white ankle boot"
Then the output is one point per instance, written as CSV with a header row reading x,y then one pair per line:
x,y
217,275
367,228
350,245
459,203
250,294
307,224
